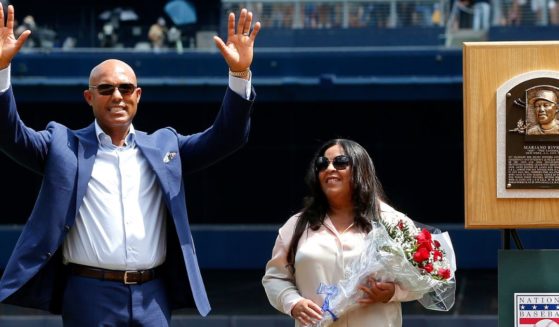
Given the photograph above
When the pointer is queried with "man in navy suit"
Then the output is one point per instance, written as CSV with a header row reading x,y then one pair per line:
x,y
108,241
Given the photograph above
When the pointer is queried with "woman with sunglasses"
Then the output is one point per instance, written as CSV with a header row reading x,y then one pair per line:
x,y
316,245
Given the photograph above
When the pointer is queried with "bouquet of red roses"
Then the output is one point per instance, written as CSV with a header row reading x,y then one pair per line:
x,y
398,251
433,256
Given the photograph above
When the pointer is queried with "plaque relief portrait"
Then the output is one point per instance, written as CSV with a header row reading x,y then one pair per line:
x,y
541,111
528,135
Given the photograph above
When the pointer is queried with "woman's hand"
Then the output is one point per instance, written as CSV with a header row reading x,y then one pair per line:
x,y
306,312
376,292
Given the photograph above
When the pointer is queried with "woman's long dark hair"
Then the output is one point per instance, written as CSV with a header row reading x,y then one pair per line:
x,y
367,194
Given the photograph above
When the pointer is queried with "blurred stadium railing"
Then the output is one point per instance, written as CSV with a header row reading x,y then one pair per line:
x,y
312,14
304,23
461,20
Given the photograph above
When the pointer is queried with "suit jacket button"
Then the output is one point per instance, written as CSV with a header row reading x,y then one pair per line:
x,y
49,254
66,228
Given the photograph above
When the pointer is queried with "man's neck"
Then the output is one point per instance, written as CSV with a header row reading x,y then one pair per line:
x,y
117,135
119,141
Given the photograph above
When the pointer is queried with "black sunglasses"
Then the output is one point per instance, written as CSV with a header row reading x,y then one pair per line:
x,y
109,89
340,162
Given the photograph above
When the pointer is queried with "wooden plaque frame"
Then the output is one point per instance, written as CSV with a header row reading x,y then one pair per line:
x,y
486,66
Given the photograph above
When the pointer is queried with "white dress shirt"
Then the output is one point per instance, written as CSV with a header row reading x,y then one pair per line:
x,y
121,222
323,256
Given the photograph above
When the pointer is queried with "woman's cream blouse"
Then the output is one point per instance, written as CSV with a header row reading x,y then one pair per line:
x,y
322,257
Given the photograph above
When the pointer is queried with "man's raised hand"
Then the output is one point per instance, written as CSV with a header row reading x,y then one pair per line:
x,y
9,45
238,50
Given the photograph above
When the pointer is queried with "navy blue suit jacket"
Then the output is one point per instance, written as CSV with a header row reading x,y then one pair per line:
x,y
34,275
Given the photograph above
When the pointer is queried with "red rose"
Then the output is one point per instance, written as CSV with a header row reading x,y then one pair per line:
x,y
424,240
428,267
401,225
425,245
444,273
437,244
437,255
424,236
421,255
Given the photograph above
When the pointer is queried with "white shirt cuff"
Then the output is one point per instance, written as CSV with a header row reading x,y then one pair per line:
x,y
290,301
5,79
240,86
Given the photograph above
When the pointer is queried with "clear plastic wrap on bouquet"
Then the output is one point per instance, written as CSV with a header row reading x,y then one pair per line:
x,y
384,259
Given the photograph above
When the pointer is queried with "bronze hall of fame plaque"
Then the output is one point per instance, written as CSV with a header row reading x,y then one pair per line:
x,y
532,135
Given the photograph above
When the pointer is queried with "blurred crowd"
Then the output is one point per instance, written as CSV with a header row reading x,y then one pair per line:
x,y
117,27
403,13
124,28
377,14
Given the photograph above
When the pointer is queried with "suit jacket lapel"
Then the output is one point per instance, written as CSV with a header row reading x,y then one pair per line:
x,y
87,150
153,155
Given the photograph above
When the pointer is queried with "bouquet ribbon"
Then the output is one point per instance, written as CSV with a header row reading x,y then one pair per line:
x,y
330,291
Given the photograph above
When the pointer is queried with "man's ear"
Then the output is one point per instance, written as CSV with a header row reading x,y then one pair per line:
x,y
87,96
139,91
